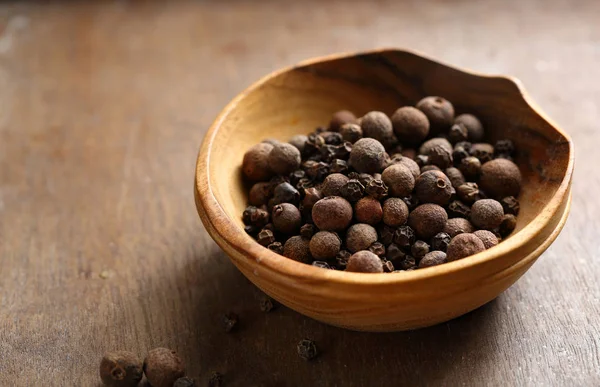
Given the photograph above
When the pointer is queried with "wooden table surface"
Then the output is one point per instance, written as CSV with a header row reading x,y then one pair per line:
x,y
102,109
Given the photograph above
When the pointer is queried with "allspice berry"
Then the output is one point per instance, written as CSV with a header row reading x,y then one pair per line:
x,y
297,248
464,245
428,145
439,112
399,180
508,225
364,262
433,187
473,125
468,192
340,118
332,213
120,369
325,245
456,177
470,167
368,210
260,193
311,196
286,218
409,153
457,226
255,164
500,178
410,164
483,151
487,237
360,236
427,220
419,249
377,125
284,158
163,367
458,133
433,258
410,125
351,132
440,156
299,141
333,184
367,156
395,212
487,214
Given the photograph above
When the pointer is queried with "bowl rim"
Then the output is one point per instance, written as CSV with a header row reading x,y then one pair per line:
x,y
218,222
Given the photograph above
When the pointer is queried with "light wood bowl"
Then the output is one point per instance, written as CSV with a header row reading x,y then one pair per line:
x,y
300,98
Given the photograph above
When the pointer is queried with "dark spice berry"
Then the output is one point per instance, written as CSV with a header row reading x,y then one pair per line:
x,y
185,382
395,212
255,164
297,248
163,367
433,187
386,234
388,267
267,304
457,209
500,178
307,230
299,141
307,349
483,151
321,264
411,201
440,241
439,112
394,253
351,133
399,180
473,125
378,249
409,153
215,380
504,149
410,125
286,193
364,262
265,237
487,214
247,214
455,176
260,193
509,223
296,176
458,133
352,191
120,369
276,247
459,154
421,161
325,245
470,167
464,245
367,156
410,164
487,237
404,237
332,213
468,193
457,226
333,184
284,158
428,145
251,230
427,220
440,156
364,178
341,118
360,236
311,196
408,263
510,205
428,168
376,188
286,218
376,125
313,144
341,259
332,138
316,170
419,249
339,166
433,259
368,210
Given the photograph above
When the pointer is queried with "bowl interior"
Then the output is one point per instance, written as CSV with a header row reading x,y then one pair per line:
x,y
299,99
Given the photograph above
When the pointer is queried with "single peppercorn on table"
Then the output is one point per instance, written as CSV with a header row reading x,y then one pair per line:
x,y
101,249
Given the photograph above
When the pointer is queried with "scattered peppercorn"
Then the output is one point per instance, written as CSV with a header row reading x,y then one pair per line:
x,y
510,205
163,367
458,133
408,263
410,125
297,248
500,178
307,349
360,236
286,193
376,188
215,380
120,369
364,262
286,218
470,167
473,125
395,212
276,247
486,214
404,236
394,253
455,176
483,151
458,209
508,224
419,249
468,192
367,156
339,166
340,118
368,210
185,382
464,245
378,249
332,213
440,241
439,112
388,267
434,258
265,237
440,157
311,196
487,237
457,226
399,180
352,191
325,245
341,259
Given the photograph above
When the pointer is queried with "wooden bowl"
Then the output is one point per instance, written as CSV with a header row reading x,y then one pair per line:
x,y
300,98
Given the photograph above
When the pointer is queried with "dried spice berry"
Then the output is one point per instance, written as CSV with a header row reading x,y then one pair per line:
x,y
428,168
486,214
510,204
307,230
299,141
307,349
185,382
297,248
351,133
332,213
265,237
399,180
340,118
440,241
468,193
120,369
421,161
333,184
325,245
433,259
411,201
163,367
376,188
419,249
251,230
311,196
360,236
255,216
284,158
439,112
433,187
455,176
260,193
428,145
271,141
410,125
504,149
255,164
352,191
395,212
267,304
457,209
341,259
332,138
276,247
215,380
427,220
394,253
378,249
508,224
364,262
364,178
483,151
409,153
500,178
313,144
367,156
376,125
404,237
473,125
411,165
464,245
286,193
459,154
368,210
286,218
296,176
408,263
321,264
457,226
458,133
386,234
470,167
339,166
388,267
487,237
440,157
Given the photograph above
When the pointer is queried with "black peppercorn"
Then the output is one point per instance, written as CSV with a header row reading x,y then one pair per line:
x,y
508,224
364,262
316,170
360,236
394,253
163,367
276,247
307,230
483,151
458,133
297,248
411,201
404,236
440,241
378,249
410,125
321,264
120,369
352,191
325,245
367,156
332,213
260,193
419,249
440,156
408,263
332,138
286,193
313,143
351,133
510,205
307,349
468,192
296,176
338,166
457,209
473,125
267,304
341,259
377,189
470,167
439,112
433,259
265,237
386,234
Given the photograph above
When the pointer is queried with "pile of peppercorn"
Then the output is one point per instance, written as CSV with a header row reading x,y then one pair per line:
x,y
383,194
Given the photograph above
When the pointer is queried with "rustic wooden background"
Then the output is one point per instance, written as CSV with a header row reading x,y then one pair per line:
x,y
102,109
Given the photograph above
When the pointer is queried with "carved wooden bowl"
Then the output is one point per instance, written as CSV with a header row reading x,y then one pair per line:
x,y
297,100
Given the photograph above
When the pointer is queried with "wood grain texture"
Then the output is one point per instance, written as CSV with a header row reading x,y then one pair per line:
x,y
102,108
